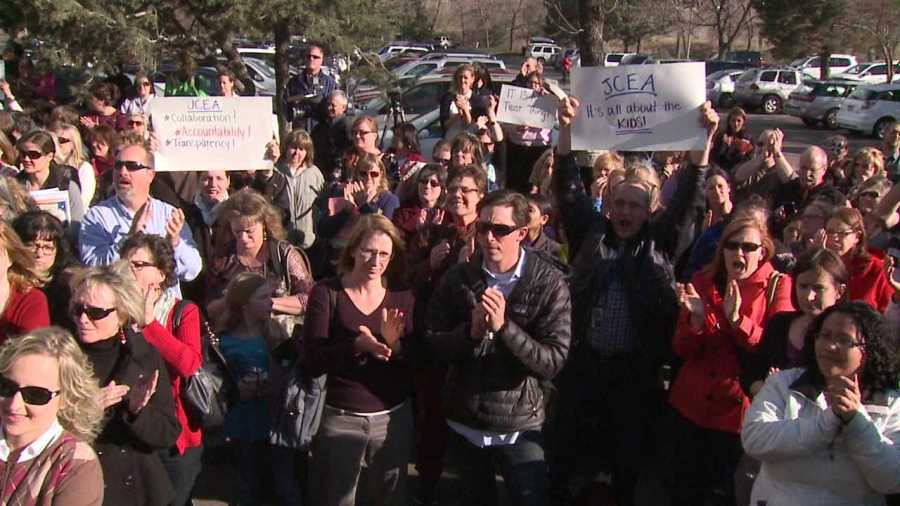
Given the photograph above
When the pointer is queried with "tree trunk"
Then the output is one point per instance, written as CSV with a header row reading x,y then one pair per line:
x,y
437,12
512,24
888,53
282,43
824,63
590,39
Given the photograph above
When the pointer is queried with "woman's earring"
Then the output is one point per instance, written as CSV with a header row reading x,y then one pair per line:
x,y
122,338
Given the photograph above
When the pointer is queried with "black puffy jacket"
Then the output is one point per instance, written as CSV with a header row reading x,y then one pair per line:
x,y
496,384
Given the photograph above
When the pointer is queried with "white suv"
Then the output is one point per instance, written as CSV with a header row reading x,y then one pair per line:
x,y
767,88
870,109
868,73
812,65
543,52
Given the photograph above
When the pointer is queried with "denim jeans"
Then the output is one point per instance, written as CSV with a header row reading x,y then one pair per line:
x,y
347,441
521,464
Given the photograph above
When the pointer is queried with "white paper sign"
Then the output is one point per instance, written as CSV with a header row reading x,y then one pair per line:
x,y
522,106
211,133
639,107
55,202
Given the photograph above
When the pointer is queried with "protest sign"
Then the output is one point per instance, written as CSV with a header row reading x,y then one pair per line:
x,y
211,133
55,202
522,106
639,107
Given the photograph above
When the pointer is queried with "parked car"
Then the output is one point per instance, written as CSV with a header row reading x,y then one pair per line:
x,y
752,58
767,88
614,59
413,70
458,53
870,109
635,59
819,101
543,52
811,65
402,47
720,87
868,73
713,66
540,40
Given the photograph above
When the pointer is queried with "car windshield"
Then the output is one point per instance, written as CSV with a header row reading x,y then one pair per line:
x,y
862,94
614,57
856,69
261,67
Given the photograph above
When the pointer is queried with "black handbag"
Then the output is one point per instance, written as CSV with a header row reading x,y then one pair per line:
x,y
210,392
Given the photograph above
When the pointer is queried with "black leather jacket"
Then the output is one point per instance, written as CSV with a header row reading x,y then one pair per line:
x,y
496,384
649,257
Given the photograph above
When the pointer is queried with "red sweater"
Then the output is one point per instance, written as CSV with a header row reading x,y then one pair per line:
x,y
24,311
707,390
868,284
182,355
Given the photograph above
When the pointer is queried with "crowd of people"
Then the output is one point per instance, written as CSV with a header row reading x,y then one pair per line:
x,y
508,307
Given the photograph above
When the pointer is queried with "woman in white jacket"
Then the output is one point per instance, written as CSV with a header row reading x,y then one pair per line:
x,y
826,434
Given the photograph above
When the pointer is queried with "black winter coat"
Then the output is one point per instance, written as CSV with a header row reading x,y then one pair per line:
x,y
648,258
128,445
496,384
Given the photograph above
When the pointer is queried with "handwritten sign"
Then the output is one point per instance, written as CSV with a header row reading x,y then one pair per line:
x,y
522,106
55,202
639,107
211,133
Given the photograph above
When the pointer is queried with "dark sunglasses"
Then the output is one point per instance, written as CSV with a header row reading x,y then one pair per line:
x,y
34,155
372,174
145,83
746,247
131,166
135,123
93,313
313,57
36,396
430,182
443,161
498,229
63,140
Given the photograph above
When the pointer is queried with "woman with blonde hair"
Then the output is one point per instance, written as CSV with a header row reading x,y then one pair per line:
x,y
356,331
542,173
456,106
109,314
14,199
49,414
867,162
24,305
70,151
605,163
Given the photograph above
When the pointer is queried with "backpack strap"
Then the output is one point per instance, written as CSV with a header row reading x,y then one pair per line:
x,y
770,290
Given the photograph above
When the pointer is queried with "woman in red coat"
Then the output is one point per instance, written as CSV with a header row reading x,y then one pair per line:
x,y
724,311
24,306
152,262
846,236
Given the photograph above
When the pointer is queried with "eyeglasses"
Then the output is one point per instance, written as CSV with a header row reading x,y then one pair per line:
x,y
498,229
839,234
33,155
93,313
47,249
36,396
370,174
430,182
362,133
843,343
871,195
135,123
138,264
746,247
313,57
461,189
442,161
145,83
131,166
63,140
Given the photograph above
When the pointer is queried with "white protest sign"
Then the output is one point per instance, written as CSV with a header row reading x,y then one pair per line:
x,y
211,133
639,107
522,106
55,202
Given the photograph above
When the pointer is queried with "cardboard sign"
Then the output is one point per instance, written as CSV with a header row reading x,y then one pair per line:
x,y
522,106
639,107
55,202
211,133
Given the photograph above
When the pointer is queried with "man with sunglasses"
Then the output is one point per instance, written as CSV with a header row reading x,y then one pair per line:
x,y
624,310
132,210
501,321
305,91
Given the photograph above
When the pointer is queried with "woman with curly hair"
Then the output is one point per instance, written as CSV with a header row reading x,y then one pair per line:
x,y
173,328
24,305
845,234
734,144
101,106
867,162
139,420
49,414
254,241
827,433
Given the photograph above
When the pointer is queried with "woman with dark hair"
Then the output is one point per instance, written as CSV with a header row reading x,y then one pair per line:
x,y
404,156
43,235
41,172
356,331
820,280
483,90
827,432
422,204
101,109
254,241
456,106
846,235
103,142
734,144
172,326
724,311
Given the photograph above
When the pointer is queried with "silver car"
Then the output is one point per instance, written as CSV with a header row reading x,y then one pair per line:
x,y
767,88
870,109
720,87
818,101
